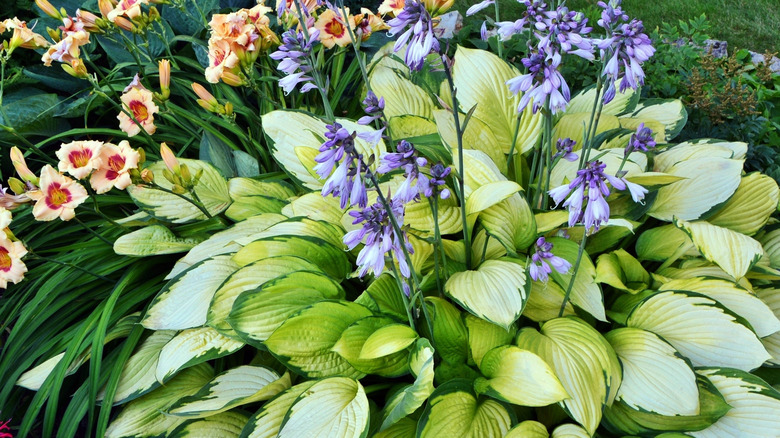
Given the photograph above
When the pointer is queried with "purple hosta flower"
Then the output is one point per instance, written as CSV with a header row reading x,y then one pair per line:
x,y
565,147
543,261
542,82
294,56
374,108
347,180
478,7
431,187
418,34
405,158
641,140
534,13
612,13
379,237
566,30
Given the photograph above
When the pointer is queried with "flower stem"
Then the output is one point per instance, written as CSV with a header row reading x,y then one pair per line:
x,y
510,160
593,124
547,155
315,72
499,43
573,274
405,299
93,232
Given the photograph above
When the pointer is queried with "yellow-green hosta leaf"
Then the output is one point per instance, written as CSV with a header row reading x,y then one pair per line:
x,y
651,180
243,187
735,253
388,340
266,422
585,293
402,96
670,112
190,347
184,301
419,217
518,376
511,222
771,243
495,292
316,207
298,227
477,136
384,297
662,243
234,387
481,242
331,259
699,148
570,431
699,329
303,342
145,416
652,371
754,405
748,210
409,126
573,125
454,411
485,336
404,428
480,78
621,270
354,339
478,169
772,342
449,332
583,361
528,429
411,397
544,302
549,220
248,206
212,190
152,240
489,195
583,102
226,424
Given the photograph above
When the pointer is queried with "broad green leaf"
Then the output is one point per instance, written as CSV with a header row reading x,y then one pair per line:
x,y
652,371
573,125
190,347
392,362
152,240
299,227
212,190
266,422
583,361
583,102
331,259
388,340
489,195
547,221
226,424
316,207
585,293
410,126
235,387
544,302
511,222
243,187
478,169
454,411
670,112
303,343
484,336
495,292
145,416
699,329
735,253
520,377
477,136
771,297
402,97
662,243
247,206
748,210
411,397
771,244
622,271
449,332
404,428
570,431
184,301
383,296
528,429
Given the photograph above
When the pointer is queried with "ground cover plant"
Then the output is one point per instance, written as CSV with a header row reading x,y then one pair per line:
x,y
299,219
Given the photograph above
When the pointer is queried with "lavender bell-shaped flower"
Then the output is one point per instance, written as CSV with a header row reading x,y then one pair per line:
x,y
405,158
642,140
373,107
534,13
543,261
543,82
565,146
565,31
347,179
294,56
418,35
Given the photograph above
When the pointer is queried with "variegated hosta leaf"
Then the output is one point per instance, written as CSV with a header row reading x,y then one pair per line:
x,y
621,270
299,226
478,169
454,411
383,297
518,376
662,243
411,397
770,241
212,190
670,112
331,259
477,136
266,422
484,336
772,342
409,126
734,252
585,293
153,240
495,292
404,428
145,416
388,359
652,371
449,332
754,405
226,424
184,301
700,148
235,387
584,362
487,196
316,207
247,206
544,302
402,96
388,340
632,124
583,102
511,222
241,187
699,329
484,246
748,210
528,429
570,431
190,347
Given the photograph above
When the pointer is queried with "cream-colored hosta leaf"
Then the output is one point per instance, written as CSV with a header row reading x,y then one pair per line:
x,y
329,258
703,268
570,431
248,206
402,97
583,101
734,252
241,187
549,220
295,143
518,376
419,217
734,298
224,242
477,136
528,429
700,148
481,242
388,361
495,292
480,78
654,179
573,125
388,340
772,342
487,196
145,416
511,222
449,332
411,397
544,302
266,422
316,207
662,243
621,270
192,346
485,336
565,171
771,243
235,387
670,112
184,301
652,370
212,190
584,362
153,240
478,169
226,424
700,330
300,226
585,293
252,197
754,406
304,342
454,411
748,210
409,126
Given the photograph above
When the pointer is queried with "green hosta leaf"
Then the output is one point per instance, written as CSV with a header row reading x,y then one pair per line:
x,y
511,222
584,362
570,431
661,243
300,227
544,302
495,292
771,243
549,220
389,360
235,387
453,410
190,347
585,292
487,196
670,112
528,429
405,428
573,125
331,259
248,206
772,342
754,405
388,340
266,422
409,126
248,187
402,97
583,102
304,342
383,296
652,371
315,207
735,253
212,190
226,424
184,301
449,333
748,210
518,376
419,217
484,336
145,417
700,330
411,397
621,270
477,136
152,240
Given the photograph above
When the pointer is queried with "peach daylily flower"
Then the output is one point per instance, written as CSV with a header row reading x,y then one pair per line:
x,y
23,36
79,158
67,49
391,7
139,102
58,196
221,59
117,161
12,268
127,8
235,29
5,218
333,29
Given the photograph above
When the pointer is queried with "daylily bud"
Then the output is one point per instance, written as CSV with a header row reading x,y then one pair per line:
x,y
179,190
124,23
76,68
141,155
16,185
165,78
170,160
436,7
17,158
147,176
89,19
232,79
53,34
228,109
170,176
105,7
207,100
154,14
186,176
48,9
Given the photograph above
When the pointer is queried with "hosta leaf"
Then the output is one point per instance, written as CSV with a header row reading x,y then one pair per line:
x,y
388,340
235,387
528,429
266,422
316,207
771,243
566,171
652,370
411,397
735,253
419,217
242,187
700,330
484,336
192,346
449,333
585,292
404,428
477,136
573,125
511,222
489,195
544,302
772,342
583,102
390,362
453,410
699,148
410,126
632,124
748,210
570,431
331,259
152,240
226,424
670,112
383,296
402,97
248,206
584,362
478,169
298,227
661,243
621,270
518,376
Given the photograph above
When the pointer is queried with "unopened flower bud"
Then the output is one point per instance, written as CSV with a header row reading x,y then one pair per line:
x,y
141,155
16,185
53,34
154,14
147,175
186,176
170,177
76,68
228,109
17,158
48,9
179,190
165,78
169,158
232,79
124,23
105,7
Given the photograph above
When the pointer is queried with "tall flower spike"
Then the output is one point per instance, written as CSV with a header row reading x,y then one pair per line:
x,y
543,261
642,140
294,56
374,108
346,181
406,158
543,82
417,26
564,146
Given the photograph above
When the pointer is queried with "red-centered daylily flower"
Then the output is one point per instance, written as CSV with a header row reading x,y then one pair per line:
x,y
58,196
79,158
393,7
12,268
138,101
116,163
333,29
